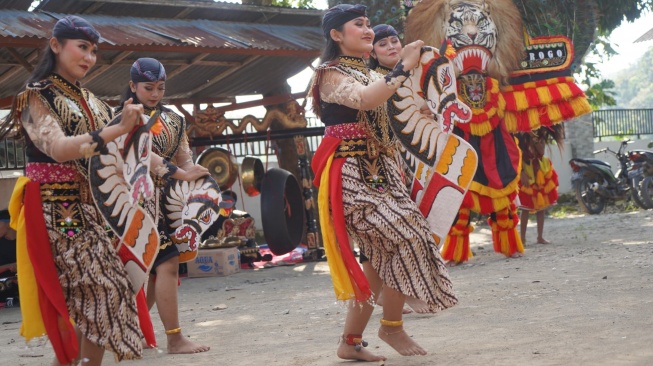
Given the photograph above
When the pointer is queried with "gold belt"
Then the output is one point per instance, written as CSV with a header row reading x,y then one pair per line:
x,y
361,147
66,191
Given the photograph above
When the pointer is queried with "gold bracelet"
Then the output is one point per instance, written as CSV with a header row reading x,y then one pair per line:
x,y
173,331
392,323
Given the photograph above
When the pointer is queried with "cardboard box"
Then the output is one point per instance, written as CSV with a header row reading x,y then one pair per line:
x,y
214,262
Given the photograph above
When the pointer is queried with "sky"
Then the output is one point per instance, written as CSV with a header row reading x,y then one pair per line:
x,y
629,52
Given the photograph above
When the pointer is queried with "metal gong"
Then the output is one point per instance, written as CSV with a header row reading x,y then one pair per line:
x,y
282,211
221,165
251,175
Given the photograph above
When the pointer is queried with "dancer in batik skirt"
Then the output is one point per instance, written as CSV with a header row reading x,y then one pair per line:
x,y
147,87
63,125
362,195
73,286
385,54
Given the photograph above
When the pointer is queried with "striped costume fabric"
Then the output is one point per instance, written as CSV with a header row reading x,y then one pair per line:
x,y
96,287
393,234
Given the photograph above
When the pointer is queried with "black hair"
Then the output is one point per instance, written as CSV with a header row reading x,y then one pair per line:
x,y
128,93
332,49
42,70
46,64
372,62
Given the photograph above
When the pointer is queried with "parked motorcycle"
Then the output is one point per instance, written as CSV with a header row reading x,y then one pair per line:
x,y
595,184
642,175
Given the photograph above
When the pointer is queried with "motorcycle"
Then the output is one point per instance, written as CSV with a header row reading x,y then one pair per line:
x,y
595,184
642,162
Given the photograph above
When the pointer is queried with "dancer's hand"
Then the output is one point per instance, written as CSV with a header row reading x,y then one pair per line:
x,y
132,115
410,54
193,173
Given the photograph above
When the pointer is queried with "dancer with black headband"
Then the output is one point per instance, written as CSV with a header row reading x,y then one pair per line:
x,y
147,87
80,291
361,194
386,53
386,50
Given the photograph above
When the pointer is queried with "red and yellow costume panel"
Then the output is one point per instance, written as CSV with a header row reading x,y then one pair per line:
x,y
507,92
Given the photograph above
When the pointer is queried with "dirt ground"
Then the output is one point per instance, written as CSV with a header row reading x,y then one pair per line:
x,y
585,299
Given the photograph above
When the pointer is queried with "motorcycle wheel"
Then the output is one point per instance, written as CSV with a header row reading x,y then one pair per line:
x,y
589,201
636,194
646,191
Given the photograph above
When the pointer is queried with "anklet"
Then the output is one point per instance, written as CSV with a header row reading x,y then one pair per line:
x,y
392,323
391,333
355,340
173,331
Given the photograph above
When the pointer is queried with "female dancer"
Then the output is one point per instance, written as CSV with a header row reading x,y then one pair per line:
x,y
385,54
64,125
361,192
538,186
147,87
386,50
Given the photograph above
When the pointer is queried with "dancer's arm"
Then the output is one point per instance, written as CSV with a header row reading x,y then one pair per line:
x,y
47,135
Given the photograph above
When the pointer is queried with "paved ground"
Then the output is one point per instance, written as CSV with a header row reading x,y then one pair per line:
x,y
586,299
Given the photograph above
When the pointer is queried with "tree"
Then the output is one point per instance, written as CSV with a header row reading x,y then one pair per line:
x,y
302,4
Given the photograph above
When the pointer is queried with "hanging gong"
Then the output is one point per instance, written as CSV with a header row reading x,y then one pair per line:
x,y
282,211
221,164
251,175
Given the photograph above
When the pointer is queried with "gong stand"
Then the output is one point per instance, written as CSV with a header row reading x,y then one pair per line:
x,y
312,233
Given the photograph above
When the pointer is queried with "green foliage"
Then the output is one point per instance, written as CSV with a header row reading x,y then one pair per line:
x,y
576,19
301,4
612,13
634,86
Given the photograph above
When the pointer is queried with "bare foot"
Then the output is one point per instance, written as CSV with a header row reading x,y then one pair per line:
x,y
453,263
398,339
348,352
542,241
417,305
177,343
516,255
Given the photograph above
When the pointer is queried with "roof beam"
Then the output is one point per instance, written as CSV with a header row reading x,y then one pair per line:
x,y
193,62
102,68
38,43
93,8
183,13
271,100
21,60
217,6
221,76
180,69
13,72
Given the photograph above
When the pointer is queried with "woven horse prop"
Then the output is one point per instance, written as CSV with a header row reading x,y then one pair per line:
x,y
120,180
189,209
442,164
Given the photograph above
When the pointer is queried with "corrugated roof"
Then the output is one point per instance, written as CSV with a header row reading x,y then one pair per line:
x,y
132,31
234,58
186,9
645,37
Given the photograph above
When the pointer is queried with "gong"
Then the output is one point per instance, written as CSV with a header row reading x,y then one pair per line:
x,y
282,211
221,164
251,175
